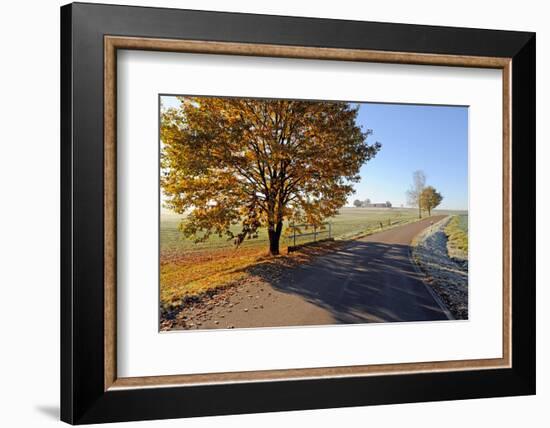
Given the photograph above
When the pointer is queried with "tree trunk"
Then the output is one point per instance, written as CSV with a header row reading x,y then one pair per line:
x,y
429,212
419,211
274,233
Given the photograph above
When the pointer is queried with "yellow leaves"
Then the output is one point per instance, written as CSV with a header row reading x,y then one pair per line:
x,y
254,161
430,198
195,274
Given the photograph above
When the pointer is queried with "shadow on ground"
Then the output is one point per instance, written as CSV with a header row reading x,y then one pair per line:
x,y
50,411
360,282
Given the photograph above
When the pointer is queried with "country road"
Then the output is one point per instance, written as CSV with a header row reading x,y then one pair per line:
x,y
367,280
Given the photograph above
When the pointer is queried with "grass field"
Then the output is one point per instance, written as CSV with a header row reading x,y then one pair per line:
x,y
188,269
350,221
457,234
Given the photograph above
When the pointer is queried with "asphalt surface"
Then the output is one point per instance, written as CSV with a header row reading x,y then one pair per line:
x,y
371,279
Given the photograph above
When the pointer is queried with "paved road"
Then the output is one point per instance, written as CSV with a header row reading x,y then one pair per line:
x,y
369,280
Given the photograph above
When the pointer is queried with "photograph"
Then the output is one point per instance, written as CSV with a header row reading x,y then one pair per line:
x,y
290,213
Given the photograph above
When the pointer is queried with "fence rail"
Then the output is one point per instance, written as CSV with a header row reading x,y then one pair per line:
x,y
317,230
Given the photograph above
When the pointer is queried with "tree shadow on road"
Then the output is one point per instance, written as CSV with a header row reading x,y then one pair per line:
x,y
361,282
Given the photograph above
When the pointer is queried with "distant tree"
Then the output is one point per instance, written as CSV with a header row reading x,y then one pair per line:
x,y
366,203
430,199
357,203
257,163
388,204
413,194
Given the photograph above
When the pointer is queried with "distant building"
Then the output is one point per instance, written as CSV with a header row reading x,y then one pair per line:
x,y
386,204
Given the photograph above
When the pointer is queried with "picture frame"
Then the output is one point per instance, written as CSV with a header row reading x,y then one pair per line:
x,y
91,35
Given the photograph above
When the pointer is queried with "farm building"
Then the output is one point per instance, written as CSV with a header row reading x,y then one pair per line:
x,y
379,205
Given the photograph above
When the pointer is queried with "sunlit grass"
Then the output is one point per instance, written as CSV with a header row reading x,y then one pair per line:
x,y
457,234
196,273
349,222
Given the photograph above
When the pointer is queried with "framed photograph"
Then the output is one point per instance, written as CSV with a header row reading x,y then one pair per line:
x,y
266,213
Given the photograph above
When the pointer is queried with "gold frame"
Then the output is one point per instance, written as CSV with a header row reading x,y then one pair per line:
x,y
112,43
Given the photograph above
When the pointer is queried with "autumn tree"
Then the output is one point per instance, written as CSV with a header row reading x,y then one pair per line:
x,y
430,199
257,163
413,194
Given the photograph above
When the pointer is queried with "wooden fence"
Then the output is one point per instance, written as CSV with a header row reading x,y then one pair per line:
x,y
320,229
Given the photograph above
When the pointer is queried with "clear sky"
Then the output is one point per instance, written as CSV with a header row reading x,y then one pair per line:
x,y
430,138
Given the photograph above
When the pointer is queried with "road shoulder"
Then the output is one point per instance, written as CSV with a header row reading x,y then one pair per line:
x,y
444,276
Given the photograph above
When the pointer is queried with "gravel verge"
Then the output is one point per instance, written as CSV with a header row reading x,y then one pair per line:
x,y
447,276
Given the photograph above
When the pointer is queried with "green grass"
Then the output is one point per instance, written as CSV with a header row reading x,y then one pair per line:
x,y
457,234
463,222
349,222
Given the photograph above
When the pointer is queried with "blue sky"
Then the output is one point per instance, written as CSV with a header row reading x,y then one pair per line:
x,y
430,138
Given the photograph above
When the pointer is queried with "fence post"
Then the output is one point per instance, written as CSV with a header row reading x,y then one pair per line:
x,y
314,233
329,230
294,229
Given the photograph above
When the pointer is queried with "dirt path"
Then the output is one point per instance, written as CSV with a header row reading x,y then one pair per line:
x,y
367,280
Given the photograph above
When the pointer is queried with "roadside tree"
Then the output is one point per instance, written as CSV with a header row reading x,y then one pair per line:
x,y
430,199
413,194
234,166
